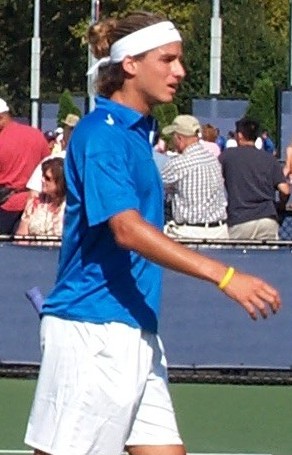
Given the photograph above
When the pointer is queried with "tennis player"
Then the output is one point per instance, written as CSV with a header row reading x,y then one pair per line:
x,y
102,386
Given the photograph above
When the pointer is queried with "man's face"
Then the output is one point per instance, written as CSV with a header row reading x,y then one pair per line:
x,y
159,74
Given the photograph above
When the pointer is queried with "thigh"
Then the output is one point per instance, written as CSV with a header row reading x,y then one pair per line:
x,y
243,231
155,423
91,381
267,229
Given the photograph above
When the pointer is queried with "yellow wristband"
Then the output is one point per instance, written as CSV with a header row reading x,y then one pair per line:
x,y
227,278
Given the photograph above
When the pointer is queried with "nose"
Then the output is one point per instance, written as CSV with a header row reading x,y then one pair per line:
x,y
178,69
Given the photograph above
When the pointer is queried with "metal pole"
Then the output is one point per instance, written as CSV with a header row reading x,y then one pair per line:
x,y
95,6
35,67
215,49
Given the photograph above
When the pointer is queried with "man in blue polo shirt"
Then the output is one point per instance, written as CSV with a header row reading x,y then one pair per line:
x,y
102,386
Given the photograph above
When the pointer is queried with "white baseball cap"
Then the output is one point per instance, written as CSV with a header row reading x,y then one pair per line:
x,y
187,125
3,106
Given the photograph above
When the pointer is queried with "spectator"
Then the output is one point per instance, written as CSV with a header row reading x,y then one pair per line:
x,y
51,139
209,136
220,140
288,163
194,181
43,214
69,124
268,144
231,140
22,147
287,169
160,152
251,178
259,143
34,184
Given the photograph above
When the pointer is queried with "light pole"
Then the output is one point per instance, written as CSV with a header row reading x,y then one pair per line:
x,y
35,66
215,49
95,7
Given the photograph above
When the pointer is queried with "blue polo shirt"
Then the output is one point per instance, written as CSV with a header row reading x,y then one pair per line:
x,y
109,169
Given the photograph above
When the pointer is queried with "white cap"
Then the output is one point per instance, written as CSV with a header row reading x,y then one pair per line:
x,y
3,106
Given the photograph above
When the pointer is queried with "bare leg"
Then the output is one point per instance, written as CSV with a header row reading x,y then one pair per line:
x,y
157,450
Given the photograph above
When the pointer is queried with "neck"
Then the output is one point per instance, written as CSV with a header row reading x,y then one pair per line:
x,y
132,99
246,142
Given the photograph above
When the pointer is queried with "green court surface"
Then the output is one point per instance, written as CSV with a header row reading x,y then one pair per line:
x,y
213,419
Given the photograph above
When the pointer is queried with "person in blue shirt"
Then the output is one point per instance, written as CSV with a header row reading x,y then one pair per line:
x,y
220,140
268,144
103,378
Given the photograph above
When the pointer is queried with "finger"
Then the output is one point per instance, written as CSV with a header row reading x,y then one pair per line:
x,y
251,310
271,297
260,306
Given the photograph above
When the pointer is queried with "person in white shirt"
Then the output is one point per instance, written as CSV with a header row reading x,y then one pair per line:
x,y
231,141
34,183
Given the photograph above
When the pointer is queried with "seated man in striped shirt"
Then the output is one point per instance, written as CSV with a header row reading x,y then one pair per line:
x,y
193,179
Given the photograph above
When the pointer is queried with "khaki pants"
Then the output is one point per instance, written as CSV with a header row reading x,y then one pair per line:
x,y
196,232
262,229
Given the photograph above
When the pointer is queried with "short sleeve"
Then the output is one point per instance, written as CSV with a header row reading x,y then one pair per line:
x,y
35,181
28,209
109,186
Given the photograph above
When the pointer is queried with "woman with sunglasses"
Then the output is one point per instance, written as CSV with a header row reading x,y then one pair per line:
x,y
43,214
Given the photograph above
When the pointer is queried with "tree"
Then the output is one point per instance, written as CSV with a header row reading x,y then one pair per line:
x,y
165,113
66,106
251,49
262,104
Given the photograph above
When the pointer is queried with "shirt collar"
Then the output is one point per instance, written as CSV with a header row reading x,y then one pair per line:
x,y
127,116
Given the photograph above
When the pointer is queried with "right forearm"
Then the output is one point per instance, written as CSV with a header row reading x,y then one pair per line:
x,y
157,247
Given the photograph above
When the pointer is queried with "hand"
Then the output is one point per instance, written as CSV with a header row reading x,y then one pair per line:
x,y
253,294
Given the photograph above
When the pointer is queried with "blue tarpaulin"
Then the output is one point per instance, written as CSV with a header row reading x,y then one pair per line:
x,y
199,324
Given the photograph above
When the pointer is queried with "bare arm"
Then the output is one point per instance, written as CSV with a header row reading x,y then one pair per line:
x,y
288,164
284,189
133,233
22,228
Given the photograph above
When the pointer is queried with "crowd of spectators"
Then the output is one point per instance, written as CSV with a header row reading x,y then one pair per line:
x,y
256,187
215,187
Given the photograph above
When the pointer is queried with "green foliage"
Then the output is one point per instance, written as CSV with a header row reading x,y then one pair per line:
x,y
251,49
255,45
276,15
66,106
196,58
165,113
262,104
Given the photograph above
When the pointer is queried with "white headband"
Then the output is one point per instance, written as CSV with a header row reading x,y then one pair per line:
x,y
136,43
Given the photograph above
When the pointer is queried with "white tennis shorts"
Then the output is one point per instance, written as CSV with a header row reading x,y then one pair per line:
x,y
100,388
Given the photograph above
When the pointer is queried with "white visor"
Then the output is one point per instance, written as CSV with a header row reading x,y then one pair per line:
x,y
136,43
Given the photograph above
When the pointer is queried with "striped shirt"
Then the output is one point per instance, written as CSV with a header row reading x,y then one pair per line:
x,y
194,181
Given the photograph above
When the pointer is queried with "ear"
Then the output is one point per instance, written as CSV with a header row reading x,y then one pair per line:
x,y
239,136
130,65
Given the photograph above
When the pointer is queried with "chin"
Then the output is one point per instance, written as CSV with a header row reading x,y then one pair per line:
x,y
167,98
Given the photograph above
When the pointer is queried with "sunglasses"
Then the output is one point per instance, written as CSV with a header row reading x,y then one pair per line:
x,y
47,178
